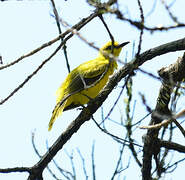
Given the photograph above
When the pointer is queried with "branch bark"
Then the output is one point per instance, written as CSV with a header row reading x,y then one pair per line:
x,y
172,146
94,104
170,75
87,112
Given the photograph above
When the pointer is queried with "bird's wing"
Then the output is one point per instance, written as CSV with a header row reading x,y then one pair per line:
x,y
86,75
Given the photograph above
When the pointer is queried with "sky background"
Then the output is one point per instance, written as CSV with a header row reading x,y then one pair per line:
x,y
26,25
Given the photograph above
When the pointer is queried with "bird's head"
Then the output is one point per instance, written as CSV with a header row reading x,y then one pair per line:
x,y
113,49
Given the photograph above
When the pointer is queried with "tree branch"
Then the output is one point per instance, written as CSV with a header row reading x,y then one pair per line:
x,y
95,103
16,169
172,146
171,75
60,32
77,26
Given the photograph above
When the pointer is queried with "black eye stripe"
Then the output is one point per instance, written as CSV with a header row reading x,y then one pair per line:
x,y
117,46
108,47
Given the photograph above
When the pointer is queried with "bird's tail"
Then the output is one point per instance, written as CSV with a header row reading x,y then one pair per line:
x,y
56,112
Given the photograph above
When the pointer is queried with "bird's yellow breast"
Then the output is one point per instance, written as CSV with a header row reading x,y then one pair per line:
x,y
84,96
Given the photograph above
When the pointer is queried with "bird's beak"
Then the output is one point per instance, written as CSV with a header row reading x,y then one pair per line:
x,y
122,44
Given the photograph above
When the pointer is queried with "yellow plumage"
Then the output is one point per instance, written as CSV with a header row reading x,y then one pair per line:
x,y
86,81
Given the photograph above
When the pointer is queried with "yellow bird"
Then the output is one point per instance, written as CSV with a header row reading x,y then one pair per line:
x,y
86,81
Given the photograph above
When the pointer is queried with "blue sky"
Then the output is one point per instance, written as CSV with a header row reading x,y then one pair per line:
x,y
25,26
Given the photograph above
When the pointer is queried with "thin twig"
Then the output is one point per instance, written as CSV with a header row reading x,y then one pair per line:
x,y
169,12
65,173
140,26
31,75
157,126
166,122
129,122
175,164
60,32
116,101
93,163
77,26
16,169
142,29
38,154
72,164
91,44
118,139
179,126
116,171
1,60
106,27
149,74
152,9
83,164
145,103
74,31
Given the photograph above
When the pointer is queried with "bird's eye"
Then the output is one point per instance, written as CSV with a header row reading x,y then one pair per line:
x,y
108,47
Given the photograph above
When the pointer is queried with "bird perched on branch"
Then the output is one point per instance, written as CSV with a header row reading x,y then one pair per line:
x,y
86,81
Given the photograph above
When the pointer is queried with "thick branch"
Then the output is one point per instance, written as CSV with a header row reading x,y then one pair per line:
x,y
172,146
94,104
171,75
